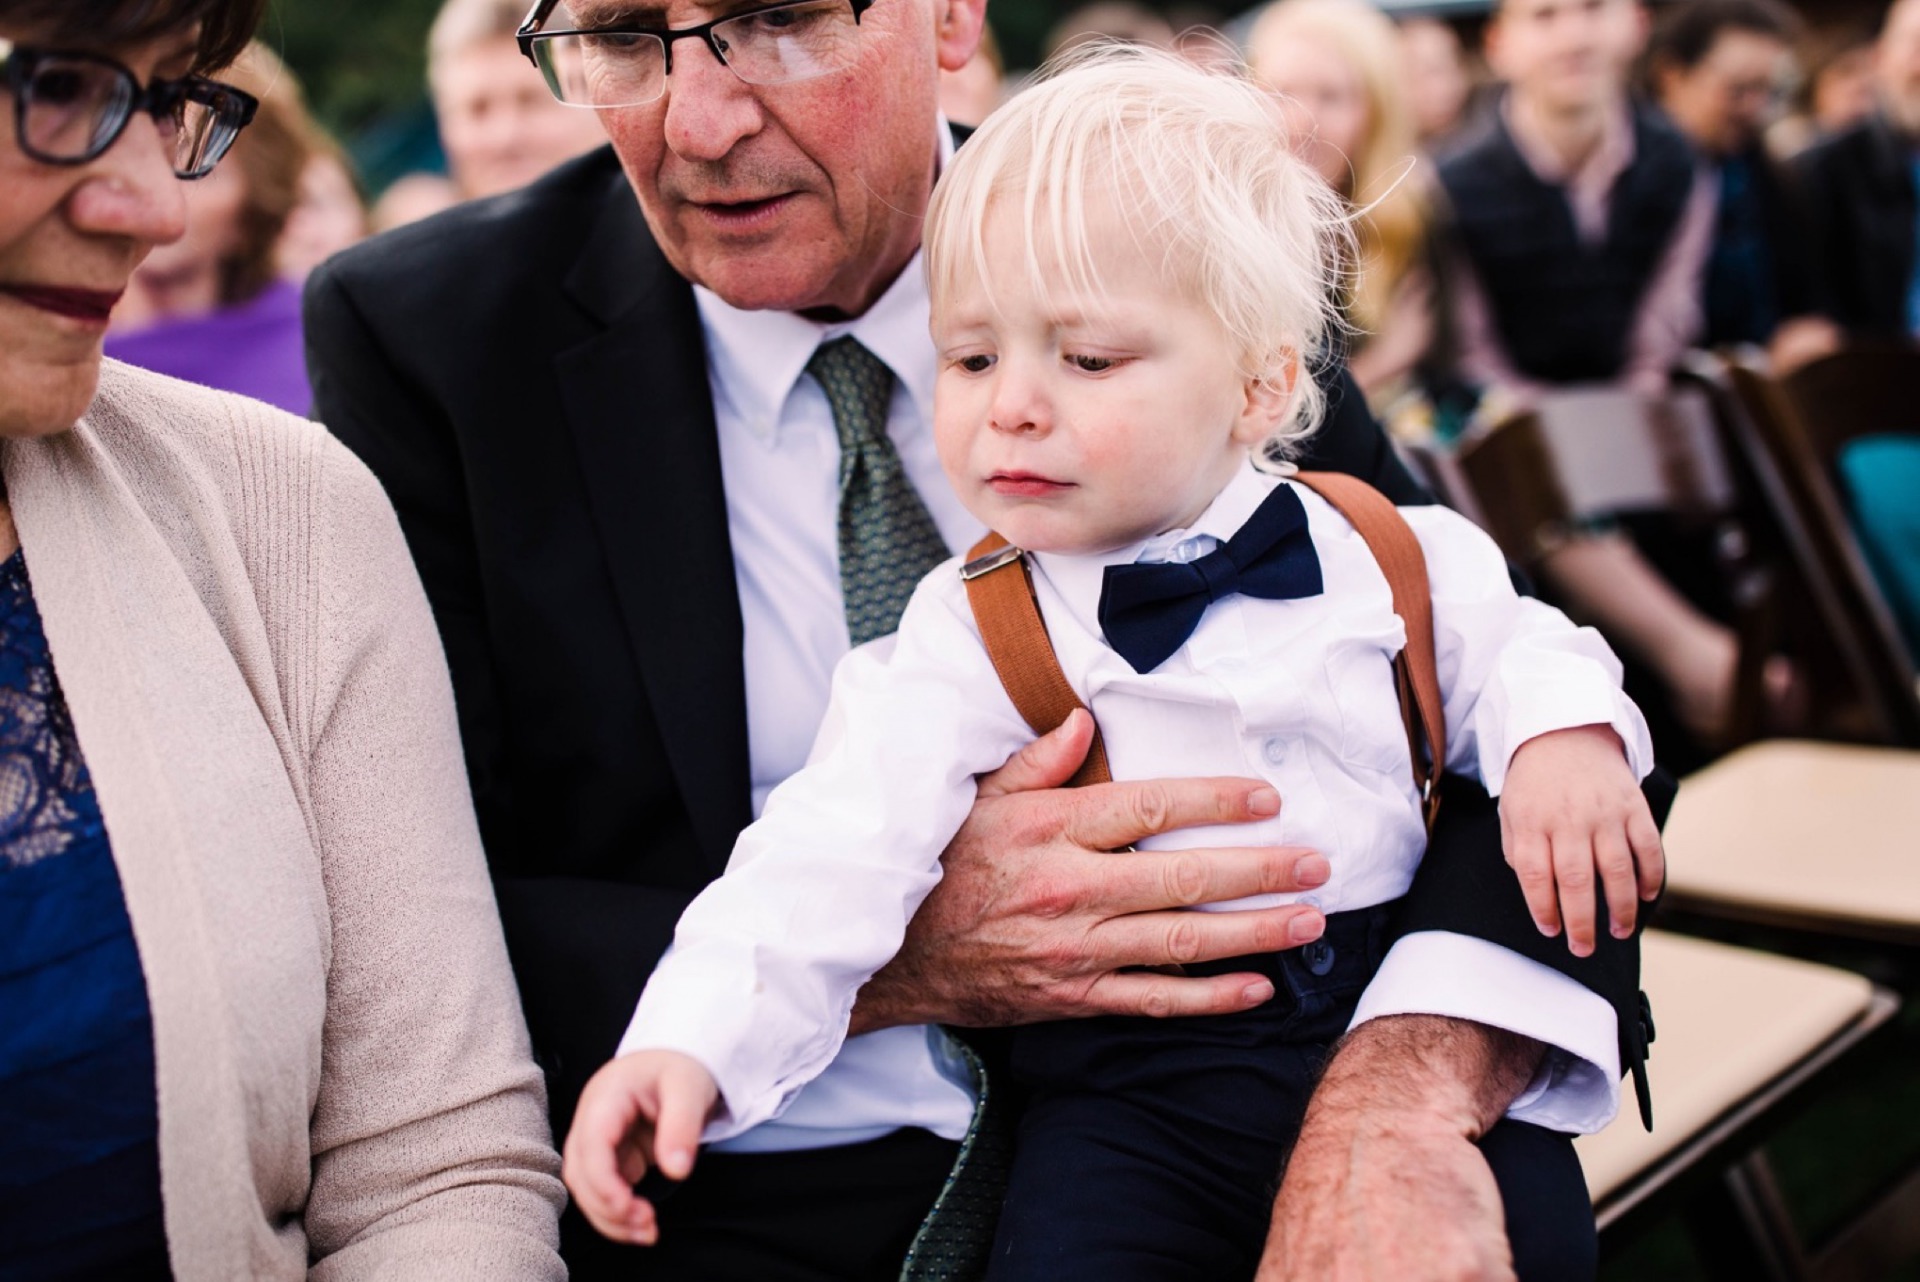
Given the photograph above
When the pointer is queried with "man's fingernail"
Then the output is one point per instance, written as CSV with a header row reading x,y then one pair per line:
x,y
1306,928
1263,802
1258,991
1621,930
1312,870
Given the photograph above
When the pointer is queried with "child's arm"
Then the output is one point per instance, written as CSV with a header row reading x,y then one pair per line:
x,y
1572,811
1533,700
644,1109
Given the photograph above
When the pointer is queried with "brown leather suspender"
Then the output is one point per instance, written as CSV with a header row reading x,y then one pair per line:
x,y
1016,636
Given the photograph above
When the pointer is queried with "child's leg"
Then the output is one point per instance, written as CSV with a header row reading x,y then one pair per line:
x,y
1152,1148
1549,1214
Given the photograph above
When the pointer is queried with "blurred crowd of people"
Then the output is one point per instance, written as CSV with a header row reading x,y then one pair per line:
x,y
1575,197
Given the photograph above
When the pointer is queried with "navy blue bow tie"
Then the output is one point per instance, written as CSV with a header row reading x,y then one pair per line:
x,y
1149,611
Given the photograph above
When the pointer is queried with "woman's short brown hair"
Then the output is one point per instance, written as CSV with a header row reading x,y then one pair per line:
x,y
225,25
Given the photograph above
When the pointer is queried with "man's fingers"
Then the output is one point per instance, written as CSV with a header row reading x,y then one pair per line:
x,y
1047,762
1171,996
1138,881
1573,870
1115,815
1181,938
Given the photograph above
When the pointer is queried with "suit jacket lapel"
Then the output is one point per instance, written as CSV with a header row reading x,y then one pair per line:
x,y
641,414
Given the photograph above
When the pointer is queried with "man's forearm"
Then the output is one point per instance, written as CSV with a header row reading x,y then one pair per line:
x,y
1385,1181
1428,1066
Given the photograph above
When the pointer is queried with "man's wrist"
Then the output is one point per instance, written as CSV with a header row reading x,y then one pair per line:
x,y
1458,1072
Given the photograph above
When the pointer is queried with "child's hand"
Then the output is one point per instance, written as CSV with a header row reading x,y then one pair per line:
x,y
649,1106
1570,809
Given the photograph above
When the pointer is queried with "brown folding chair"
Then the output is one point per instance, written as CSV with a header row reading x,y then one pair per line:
x,y
1791,433
1745,1039
1581,455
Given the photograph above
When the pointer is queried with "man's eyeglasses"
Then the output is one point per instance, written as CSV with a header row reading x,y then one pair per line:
x,y
625,65
68,108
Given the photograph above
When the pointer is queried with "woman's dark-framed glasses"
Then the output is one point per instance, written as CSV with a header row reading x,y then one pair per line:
x,y
68,108
592,63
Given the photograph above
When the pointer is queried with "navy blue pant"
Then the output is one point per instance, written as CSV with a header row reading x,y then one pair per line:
x,y
1151,1149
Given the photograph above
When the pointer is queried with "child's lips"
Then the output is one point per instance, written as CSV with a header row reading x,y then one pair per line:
x,y
1026,485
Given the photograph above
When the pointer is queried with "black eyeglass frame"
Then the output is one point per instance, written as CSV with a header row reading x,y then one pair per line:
x,y
158,99
530,29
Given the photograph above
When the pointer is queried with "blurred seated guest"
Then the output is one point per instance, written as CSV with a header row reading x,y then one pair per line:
x,y
1579,221
1336,65
1123,20
969,95
1439,82
212,307
1859,189
1580,227
1835,91
500,126
256,1016
329,213
411,197
1719,68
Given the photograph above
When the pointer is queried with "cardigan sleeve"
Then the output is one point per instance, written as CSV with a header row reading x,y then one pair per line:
x,y
431,1151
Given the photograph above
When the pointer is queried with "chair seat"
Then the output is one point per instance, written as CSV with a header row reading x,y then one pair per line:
x,y
1732,1022
1803,834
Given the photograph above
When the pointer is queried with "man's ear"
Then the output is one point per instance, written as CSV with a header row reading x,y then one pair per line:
x,y
1267,401
957,27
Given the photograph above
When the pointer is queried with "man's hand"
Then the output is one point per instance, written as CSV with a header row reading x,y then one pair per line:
x,y
1572,816
1041,915
1385,1182
643,1109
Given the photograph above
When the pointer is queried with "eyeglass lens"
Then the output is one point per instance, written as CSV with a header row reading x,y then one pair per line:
x,y
73,108
764,47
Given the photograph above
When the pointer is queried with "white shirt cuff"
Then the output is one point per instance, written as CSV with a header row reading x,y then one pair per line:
x,y
1577,1087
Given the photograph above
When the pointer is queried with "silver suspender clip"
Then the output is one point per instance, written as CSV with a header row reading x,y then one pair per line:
x,y
990,562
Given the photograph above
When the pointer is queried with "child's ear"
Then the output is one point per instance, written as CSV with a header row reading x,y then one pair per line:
x,y
1267,400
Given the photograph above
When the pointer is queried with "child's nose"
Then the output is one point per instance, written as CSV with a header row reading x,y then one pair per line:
x,y
1019,403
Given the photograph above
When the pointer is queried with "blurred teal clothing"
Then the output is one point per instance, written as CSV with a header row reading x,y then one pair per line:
x,y
1882,479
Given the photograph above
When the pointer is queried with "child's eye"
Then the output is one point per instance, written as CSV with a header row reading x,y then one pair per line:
x,y
978,364
1093,364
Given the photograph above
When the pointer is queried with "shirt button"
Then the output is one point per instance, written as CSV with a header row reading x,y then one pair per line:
x,y
1274,750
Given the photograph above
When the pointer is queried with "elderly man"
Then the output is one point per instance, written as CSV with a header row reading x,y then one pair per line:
x,y
605,425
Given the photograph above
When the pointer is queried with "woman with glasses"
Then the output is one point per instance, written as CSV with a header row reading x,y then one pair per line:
x,y
256,1019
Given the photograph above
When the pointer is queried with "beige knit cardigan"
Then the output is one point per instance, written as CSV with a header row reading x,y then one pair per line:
x,y
345,1085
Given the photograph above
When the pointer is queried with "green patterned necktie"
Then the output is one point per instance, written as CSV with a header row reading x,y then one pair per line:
x,y
888,541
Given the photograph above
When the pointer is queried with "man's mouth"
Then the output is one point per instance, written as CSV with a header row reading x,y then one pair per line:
x,y
742,213
90,305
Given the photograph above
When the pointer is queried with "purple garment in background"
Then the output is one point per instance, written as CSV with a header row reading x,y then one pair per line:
x,y
254,349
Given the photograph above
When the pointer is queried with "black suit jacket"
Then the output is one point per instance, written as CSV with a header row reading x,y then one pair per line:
x,y
1858,191
527,377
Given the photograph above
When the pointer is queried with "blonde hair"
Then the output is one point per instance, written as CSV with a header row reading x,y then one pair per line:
x,y
1195,164
1391,227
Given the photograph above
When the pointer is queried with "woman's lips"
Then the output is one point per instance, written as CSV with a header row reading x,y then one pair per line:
x,y
1026,485
90,305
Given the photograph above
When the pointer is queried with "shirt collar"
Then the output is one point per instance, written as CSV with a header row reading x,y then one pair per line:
x,y
755,358
1605,163
1079,578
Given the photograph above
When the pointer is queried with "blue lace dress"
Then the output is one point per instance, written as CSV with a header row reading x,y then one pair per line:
x,y
79,1155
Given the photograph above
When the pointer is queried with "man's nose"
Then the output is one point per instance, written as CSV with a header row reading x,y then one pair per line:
x,y
709,109
131,190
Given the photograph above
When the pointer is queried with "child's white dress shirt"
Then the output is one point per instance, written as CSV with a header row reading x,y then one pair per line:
x,y
762,975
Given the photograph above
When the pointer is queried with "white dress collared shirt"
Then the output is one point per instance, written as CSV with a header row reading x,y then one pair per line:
x,y
763,972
